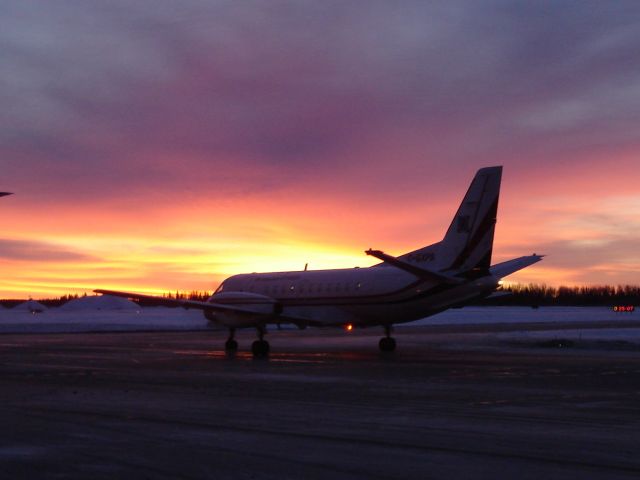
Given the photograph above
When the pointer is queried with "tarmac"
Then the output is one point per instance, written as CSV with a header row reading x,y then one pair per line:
x,y
449,403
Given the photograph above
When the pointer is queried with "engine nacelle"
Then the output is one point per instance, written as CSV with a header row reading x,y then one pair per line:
x,y
262,305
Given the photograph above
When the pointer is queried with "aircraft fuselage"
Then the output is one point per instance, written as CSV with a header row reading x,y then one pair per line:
x,y
358,296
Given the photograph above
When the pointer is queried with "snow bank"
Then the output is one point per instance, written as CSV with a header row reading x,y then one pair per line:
x,y
31,306
100,302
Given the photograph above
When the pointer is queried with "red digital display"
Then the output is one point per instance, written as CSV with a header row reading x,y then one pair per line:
x,y
623,308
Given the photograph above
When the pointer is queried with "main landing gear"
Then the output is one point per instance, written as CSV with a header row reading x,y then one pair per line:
x,y
387,343
260,348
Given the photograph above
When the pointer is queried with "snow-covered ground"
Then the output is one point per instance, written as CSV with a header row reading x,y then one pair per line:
x,y
61,320
467,315
57,320
544,315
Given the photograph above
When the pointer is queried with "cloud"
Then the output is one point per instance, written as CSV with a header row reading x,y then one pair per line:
x,y
35,251
299,84
612,259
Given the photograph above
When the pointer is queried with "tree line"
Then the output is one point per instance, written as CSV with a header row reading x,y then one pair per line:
x,y
545,295
518,295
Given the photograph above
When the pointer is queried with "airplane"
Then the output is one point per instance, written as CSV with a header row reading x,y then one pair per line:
x,y
4,194
450,273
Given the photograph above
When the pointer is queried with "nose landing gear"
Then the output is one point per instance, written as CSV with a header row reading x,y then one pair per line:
x,y
387,343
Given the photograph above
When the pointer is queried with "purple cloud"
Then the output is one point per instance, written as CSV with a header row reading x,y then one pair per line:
x,y
91,87
28,250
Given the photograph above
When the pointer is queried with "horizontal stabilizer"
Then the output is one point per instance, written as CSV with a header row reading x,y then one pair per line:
x,y
500,270
413,269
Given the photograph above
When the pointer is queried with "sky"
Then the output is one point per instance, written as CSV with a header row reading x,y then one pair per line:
x,y
157,145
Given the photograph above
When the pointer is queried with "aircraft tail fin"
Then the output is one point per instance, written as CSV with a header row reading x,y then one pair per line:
x,y
468,244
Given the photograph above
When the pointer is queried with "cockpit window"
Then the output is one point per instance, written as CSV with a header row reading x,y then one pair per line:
x,y
220,288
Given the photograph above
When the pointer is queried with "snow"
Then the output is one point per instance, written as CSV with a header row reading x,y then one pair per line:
x,y
475,315
100,302
31,306
60,320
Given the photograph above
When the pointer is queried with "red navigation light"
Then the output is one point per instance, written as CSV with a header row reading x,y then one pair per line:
x,y
348,327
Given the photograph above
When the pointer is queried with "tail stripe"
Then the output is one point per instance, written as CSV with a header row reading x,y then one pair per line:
x,y
487,224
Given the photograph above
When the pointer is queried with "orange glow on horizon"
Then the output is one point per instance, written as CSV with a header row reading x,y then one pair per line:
x,y
195,244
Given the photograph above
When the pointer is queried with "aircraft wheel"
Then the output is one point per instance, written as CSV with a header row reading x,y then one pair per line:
x,y
260,348
387,344
231,345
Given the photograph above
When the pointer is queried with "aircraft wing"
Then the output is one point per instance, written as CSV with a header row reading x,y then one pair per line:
x,y
500,270
212,306
175,302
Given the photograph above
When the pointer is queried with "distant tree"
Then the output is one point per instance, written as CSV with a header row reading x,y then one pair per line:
x,y
598,295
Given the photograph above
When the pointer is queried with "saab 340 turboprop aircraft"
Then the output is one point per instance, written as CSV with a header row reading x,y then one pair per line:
x,y
452,272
